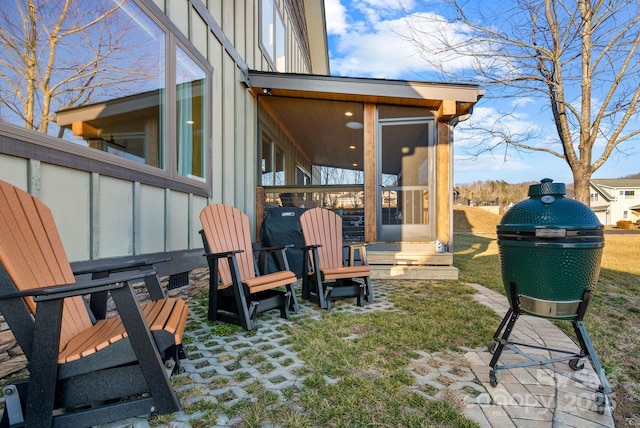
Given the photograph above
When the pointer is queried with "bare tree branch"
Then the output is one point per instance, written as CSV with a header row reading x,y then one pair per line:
x,y
63,54
579,56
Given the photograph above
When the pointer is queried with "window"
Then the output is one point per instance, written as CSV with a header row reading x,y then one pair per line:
x,y
190,95
272,163
272,35
625,214
594,197
112,101
303,178
112,70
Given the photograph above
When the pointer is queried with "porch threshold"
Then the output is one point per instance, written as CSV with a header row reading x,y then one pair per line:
x,y
413,272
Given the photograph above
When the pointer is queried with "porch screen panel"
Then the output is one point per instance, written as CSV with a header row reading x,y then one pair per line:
x,y
405,196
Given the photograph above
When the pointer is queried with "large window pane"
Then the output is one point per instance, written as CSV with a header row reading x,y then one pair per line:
x,y
272,35
279,166
190,95
267,27
110,80
280,48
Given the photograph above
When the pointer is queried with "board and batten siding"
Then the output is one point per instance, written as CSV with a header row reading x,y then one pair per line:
x,y
105,211
101,217
227,34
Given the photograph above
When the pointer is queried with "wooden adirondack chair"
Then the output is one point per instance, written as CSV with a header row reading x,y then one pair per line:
x,y
82,371
237,291
326,277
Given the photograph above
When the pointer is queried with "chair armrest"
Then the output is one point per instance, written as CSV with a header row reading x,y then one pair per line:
x,y
262,260
122,265
222,254
79,288
272,249
98,302
312,246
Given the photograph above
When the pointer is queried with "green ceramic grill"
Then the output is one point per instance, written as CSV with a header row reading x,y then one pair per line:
x,y
550,247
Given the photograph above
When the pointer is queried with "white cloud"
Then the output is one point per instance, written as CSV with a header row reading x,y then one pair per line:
x,y
380,40
335,16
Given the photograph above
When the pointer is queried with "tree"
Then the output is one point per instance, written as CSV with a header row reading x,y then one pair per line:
x,y
580,57
62,54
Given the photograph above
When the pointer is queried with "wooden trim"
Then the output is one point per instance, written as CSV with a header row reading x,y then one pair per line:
x,y
217,31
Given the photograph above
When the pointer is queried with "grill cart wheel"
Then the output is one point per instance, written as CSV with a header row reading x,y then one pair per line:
x,y
576,364
494,378
601,401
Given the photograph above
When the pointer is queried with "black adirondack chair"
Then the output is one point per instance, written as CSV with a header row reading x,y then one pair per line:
x,y
237,290
82,371
326,277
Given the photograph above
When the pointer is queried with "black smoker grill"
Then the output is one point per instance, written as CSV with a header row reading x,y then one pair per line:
x,y
550,250
281,227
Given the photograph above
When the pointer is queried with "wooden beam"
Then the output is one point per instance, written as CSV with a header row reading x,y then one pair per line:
x,y
447,109
84,130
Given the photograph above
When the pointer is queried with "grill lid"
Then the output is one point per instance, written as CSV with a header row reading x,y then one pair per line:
x,y
548,214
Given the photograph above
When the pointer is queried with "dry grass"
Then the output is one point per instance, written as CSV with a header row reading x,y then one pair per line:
x,y
474,219
613,318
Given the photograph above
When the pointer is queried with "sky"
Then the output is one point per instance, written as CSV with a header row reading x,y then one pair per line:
x,y
364,41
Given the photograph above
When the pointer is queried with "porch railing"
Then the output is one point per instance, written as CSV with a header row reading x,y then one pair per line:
x,y
346,200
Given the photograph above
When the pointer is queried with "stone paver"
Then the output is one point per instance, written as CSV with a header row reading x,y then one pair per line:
x,y
228,369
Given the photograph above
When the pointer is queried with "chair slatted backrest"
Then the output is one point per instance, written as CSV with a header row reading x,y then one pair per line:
x,y
324,227
33,254
226,228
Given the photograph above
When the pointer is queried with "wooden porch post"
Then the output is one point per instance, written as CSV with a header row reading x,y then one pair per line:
x,y
444,182
370,173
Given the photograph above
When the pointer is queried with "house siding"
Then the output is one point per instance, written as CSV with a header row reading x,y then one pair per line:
x,y
104,211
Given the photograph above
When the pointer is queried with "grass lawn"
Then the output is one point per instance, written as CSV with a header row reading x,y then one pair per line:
x,y
612,319
355,364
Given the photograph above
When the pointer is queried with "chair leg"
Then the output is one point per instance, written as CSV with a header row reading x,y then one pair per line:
x,y
284,308
252,320
369,289
325,291
293,303
361,295
305,286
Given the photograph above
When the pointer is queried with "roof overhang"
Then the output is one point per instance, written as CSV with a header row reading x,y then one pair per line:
x,y
311,109
384,91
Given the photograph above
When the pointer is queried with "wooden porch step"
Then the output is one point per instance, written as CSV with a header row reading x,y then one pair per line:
x,y
409,258
413,272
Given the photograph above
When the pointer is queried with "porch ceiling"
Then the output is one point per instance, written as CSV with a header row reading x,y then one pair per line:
x,y
311,108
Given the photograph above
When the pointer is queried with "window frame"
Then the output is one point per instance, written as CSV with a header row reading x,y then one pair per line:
x,y
270,53
58,151
274,147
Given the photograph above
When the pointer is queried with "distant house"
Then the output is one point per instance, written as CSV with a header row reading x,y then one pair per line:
x,y
614,199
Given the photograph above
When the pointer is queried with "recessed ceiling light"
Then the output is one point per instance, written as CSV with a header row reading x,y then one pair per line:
x,y
352,147
348,113
355,164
